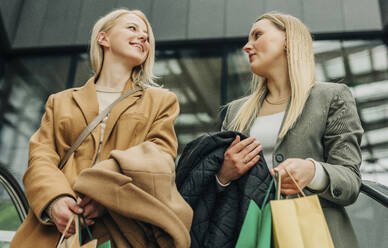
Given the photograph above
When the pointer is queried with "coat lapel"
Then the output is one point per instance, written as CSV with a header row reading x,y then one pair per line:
x,y
119,109
86,99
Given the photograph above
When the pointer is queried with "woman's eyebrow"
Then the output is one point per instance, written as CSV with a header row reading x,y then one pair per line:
x,y
128,23
253,32
133,23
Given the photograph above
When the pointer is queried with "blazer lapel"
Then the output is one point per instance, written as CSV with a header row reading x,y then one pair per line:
x,y
278,139
86,99
118,109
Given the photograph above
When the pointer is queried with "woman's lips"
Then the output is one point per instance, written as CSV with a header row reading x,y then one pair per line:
x,y
250,57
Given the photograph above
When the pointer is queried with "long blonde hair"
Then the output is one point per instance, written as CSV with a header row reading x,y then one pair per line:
x,y
142,75
301,72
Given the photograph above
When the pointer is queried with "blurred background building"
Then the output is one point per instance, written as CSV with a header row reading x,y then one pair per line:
x,y
44,49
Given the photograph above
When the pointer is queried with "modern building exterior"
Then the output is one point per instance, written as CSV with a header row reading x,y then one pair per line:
x,y
44,49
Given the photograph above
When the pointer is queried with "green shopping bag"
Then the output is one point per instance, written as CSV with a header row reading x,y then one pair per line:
x,y
104,245
256,229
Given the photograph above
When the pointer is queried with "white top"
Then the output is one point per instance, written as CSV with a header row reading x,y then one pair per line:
x,y
266,129
105,96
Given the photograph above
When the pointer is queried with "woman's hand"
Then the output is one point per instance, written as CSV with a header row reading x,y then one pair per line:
x,y
239,158
61,211
92,209
302,170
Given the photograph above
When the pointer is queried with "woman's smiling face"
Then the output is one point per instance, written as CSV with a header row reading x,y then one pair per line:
x,y
128,38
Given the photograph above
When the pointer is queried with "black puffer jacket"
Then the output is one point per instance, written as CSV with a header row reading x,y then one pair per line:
x,y
218,216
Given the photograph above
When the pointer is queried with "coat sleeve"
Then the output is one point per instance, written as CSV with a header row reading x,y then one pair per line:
x,y
43,180
162,131
342,139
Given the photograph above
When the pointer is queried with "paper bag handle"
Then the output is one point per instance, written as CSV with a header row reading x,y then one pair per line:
x,y
280,183
68,225
293,179
279,180
66,229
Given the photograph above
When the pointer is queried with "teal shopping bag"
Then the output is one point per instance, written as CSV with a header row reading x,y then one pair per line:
x,y
256,229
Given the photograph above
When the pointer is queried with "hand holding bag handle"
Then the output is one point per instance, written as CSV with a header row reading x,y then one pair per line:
x,y
279,181
73,238
92,125
65,231
76,239
299,222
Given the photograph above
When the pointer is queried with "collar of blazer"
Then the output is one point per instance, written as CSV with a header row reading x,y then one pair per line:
x,y
86,99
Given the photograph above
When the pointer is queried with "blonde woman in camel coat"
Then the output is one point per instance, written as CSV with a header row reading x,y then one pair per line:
x,y
122,56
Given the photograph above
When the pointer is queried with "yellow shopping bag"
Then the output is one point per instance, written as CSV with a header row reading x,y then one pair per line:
x,y
299,222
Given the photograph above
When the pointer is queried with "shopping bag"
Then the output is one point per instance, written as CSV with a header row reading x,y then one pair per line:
x,y
75,241
299,222
103,245
256,229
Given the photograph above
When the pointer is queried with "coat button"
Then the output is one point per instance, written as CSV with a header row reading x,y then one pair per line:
x,y
337,192
279,158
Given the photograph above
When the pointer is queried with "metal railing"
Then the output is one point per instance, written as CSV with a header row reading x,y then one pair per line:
x,y
376,191
15,192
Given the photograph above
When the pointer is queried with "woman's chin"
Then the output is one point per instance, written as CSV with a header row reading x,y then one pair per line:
x,y
134,60
256,69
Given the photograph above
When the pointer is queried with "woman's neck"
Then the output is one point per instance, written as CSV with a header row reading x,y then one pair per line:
x,y
278,85
278,96
114,74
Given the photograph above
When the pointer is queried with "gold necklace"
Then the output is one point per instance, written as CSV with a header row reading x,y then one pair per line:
x,y
282,101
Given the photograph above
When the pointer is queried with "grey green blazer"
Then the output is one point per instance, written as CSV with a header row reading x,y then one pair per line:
x,y
329,131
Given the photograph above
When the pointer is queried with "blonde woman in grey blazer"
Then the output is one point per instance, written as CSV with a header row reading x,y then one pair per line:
x,y
310,128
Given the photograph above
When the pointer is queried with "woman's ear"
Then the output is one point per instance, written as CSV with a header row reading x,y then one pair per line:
x,y
103,40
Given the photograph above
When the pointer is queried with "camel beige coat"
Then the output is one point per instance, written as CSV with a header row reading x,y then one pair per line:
x,y
137,186
147,115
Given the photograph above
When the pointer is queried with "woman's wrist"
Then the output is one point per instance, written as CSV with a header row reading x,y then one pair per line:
x,y
222,181
320,179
